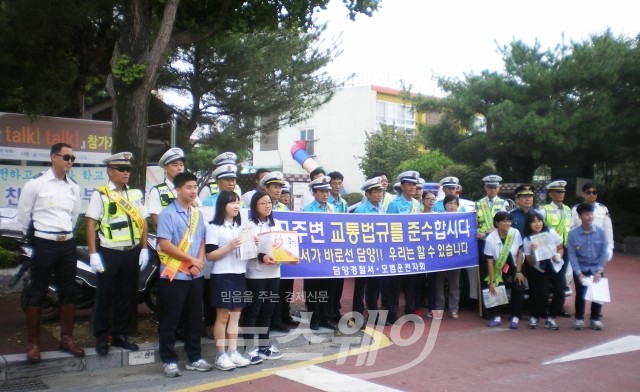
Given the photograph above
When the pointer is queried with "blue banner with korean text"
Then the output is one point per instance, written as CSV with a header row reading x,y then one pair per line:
x,y
355,245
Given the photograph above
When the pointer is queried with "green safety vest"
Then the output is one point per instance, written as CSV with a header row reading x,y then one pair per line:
x,y
484,214
166,195
117,228
561,224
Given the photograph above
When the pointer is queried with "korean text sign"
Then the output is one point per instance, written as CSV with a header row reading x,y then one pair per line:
x,y
354,245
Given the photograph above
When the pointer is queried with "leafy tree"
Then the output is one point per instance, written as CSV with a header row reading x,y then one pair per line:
x,y
139,36
573,108
427,164
54,57
386,149
152,29
245,84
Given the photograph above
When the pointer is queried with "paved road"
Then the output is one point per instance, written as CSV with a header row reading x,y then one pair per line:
x,y
447,355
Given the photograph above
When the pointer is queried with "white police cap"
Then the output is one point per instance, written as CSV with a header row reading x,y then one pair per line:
x,y
408,176
272,178
286,187
492,180
225,171
119,159
420,183
397,188
172,154
450,182
373,183
557,185
320,183
226,158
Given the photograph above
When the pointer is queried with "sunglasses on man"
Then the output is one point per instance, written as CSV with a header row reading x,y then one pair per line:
x,y
67,157
121,169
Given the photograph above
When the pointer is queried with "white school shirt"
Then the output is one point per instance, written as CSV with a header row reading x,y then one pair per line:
x,y
221,235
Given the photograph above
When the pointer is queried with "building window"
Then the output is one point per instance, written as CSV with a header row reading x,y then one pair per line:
x,y
396,114
269,142
309,136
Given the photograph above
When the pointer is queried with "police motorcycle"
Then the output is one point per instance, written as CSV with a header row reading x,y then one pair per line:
x,y
86,279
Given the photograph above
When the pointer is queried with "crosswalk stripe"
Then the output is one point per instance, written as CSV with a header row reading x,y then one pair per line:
x,y
330,381
618,346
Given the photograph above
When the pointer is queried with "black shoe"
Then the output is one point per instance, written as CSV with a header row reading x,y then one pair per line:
x,y
328,325
314,327
563,313
290,321
122,342
102,347
281,329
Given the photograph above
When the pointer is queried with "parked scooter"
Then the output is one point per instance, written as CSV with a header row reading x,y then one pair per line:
x,y
86,279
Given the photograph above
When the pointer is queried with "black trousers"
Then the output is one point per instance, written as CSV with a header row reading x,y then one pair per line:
x,y
116,292
580,302
208,312
256,316
365,289
336,296
282,309
52,257
175,299
541,282
517,295
317,294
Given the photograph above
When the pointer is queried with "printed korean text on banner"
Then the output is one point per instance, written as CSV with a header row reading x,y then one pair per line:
x,y
353,245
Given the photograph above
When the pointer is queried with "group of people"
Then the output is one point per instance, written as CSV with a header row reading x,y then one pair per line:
x,y
573,237
204,277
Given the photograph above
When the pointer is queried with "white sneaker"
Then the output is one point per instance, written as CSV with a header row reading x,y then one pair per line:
x,y
533,323
254,357
223,362
238,359
551,324
270,352
171,370
200,365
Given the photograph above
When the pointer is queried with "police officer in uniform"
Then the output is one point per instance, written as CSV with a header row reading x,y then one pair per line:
x,y
601,216
557,216
212,188
403,204
486,209
319,307
272,183
116,218
285,195
450,186
163,194
368,288
226,178
49,205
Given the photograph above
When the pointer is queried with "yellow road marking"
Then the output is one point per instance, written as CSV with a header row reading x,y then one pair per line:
x,y
378,341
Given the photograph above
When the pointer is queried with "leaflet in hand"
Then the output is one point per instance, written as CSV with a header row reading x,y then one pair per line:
x,y
248,248
282,246
493,300
597,292
545,247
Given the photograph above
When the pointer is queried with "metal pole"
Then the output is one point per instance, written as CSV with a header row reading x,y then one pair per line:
x,y
174,129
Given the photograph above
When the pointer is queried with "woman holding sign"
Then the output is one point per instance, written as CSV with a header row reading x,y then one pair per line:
x,y
543,251
503,249
263,282
228,284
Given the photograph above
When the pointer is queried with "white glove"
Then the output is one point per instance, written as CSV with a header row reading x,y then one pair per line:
x,y
609,255
95,261
557,258
143,259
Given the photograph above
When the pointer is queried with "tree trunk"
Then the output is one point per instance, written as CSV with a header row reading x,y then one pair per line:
x,y
130,132
131,97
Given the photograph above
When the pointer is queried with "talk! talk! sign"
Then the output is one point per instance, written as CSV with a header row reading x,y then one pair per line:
x,y
27,138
